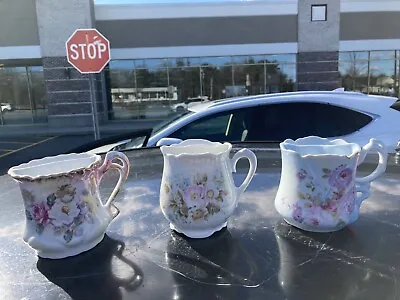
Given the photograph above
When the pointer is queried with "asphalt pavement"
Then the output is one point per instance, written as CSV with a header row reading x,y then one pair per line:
x,y
21,149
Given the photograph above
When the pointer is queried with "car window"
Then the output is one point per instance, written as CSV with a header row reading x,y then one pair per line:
x,y
277,122
228,126
334,121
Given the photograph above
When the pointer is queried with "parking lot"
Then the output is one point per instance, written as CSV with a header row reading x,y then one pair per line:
x,y
21,149
12,145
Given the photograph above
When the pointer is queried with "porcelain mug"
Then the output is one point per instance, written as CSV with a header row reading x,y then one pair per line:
x,y
197,193
319,190
64,213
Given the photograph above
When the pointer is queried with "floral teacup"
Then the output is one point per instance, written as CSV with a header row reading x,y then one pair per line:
x,y
197,192
64,213
318,187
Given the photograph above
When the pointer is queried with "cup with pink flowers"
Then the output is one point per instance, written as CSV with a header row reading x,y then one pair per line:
x,y
198,194
319,190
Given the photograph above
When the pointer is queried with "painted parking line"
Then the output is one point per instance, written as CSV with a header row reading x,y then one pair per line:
x,y
27,146
13,142
7,150
12,147
24,139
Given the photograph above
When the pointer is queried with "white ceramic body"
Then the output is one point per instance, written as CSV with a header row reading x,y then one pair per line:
x,y
197,193
318,190
64,213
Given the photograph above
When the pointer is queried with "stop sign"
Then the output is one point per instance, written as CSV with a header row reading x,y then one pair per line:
x,y
88,50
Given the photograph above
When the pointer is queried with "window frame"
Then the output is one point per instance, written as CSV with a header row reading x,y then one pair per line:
x,y
325,6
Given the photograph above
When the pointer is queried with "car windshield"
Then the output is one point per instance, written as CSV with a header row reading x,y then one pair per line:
x,y
139,141
160,126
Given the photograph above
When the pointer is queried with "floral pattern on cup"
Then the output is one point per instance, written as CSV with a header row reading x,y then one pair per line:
x,y
196,198
338,201
59,212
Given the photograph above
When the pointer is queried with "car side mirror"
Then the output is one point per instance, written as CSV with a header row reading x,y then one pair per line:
x,y
168,142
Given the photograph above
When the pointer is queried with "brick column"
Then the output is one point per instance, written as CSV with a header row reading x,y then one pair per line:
x,y
68,92
317,71
318,46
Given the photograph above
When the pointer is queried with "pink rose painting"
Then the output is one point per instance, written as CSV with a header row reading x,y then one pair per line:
x,y
336,201
40,213
341,177
329,206
194,196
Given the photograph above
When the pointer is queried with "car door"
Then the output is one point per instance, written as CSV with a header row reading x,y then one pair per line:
x,y
230,126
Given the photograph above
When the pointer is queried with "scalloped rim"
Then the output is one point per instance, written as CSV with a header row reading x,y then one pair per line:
x,y
332,143
196,142
42,161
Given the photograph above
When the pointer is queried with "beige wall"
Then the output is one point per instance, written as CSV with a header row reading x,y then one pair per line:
x,y
200,31
370,25
18,23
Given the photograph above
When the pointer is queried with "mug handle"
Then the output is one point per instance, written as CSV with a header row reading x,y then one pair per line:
x,y
363,183
245,153
364,190
123,170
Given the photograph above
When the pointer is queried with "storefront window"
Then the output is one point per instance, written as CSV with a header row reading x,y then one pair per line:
x,y
249,76
122,84
353,67
22,95
157,88
38,92
152,92
370,72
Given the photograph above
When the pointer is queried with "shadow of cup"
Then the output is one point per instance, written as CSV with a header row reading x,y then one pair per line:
x,y
92,274
217,266
317,265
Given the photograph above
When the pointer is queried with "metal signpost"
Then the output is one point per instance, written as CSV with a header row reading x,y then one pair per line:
x,y
89,52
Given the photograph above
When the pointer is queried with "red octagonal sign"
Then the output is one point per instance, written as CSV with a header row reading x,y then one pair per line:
x,y
88,50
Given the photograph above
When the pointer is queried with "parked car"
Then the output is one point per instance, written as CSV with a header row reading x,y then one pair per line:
x,y
5,107
184,106
354,117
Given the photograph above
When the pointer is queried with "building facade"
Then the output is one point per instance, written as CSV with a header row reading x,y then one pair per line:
x,y
164,54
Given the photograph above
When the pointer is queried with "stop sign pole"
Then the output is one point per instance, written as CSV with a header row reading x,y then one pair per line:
x,y
88,51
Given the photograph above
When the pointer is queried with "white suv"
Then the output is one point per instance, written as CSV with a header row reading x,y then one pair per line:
x,y
272,118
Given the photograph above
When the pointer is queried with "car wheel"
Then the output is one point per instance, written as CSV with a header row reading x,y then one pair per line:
x,y
180,109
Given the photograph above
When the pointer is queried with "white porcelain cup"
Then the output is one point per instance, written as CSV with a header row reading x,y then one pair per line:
x,y
197,193
64,213
319,190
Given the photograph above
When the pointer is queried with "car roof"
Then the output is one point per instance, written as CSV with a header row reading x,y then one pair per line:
x,y
367,103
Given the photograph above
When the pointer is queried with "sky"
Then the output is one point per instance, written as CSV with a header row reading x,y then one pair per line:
x,y
165,1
